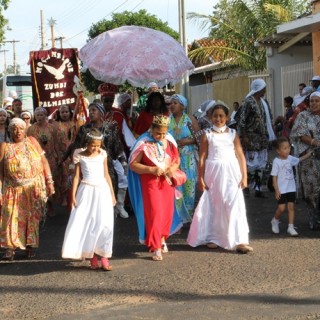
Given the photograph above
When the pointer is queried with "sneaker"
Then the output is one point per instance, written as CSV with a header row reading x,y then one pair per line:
x,y
275,226
292,232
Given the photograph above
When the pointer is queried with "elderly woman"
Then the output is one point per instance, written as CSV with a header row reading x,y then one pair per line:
x,y
24,177
305,134
183,128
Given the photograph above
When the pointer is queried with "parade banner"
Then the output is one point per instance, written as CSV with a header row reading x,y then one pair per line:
x,y
53,73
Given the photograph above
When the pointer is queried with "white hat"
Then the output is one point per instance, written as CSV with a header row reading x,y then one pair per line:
x,y
13,94
315,78
123,98
205,106
152,85
256,86
7,102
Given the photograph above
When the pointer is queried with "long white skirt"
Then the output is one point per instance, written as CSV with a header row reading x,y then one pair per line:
x,y
90,226
220,216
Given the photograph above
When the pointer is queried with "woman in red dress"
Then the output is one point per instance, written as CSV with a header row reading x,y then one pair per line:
x,y
155,159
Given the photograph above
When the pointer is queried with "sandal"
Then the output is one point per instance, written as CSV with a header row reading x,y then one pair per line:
x,y
244,248
105,264
212,245
157,255
164,248
8,254
94,263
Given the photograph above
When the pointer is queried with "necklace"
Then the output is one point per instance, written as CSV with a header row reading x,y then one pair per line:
x,y
157,149
23,154
219,129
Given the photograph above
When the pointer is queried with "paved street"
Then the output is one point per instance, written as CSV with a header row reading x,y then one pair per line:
x,y
280,280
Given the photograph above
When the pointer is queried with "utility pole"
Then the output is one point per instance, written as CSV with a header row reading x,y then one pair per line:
x,y
52,22
43,42
4,60
14,54
183,41
60,39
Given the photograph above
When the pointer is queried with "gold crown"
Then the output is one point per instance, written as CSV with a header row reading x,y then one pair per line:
x,y
161,121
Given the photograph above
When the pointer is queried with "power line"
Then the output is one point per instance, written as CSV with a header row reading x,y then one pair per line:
x,y
101,19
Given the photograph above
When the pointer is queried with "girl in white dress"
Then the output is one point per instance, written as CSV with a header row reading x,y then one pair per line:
x,y
220,217
89,233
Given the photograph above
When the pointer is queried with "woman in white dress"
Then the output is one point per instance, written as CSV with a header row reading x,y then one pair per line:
x,y
220,217
89,233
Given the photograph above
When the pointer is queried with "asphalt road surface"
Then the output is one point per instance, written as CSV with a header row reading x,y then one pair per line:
x,y
279,280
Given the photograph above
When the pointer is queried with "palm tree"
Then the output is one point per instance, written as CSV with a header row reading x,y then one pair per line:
x,y
240,24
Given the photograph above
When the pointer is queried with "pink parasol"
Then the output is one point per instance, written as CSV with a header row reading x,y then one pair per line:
x,y
135,54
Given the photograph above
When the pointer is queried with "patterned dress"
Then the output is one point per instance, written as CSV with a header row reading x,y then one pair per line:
x,y
64,132
307,124
45,135
188,164
24,196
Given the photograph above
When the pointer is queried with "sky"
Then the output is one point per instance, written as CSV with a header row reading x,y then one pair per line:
x,y
75,17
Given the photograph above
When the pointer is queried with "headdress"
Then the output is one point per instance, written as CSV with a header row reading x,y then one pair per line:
x,y
26,113
205,106
93,137
107,89
41,109
315,78
99,106
152,85
17,122
4,111
161,120
315,94
123,98
181,99
256,86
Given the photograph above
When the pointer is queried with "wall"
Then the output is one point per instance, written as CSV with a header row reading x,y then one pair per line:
x,y
292,56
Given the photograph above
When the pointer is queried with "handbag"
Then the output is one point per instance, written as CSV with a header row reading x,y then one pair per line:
x,y
178,178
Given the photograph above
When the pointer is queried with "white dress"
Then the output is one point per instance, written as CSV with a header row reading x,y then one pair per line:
x,y
90,226
220,216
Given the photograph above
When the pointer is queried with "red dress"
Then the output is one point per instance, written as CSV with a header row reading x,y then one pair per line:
x,y
158,202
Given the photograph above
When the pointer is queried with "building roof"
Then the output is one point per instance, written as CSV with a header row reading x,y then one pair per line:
x,y
214,57
277,40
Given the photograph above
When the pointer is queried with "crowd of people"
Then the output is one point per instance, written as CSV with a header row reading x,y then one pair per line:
x,y
151,163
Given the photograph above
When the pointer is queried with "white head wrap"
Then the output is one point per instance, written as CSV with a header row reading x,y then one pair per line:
x,y
4,111
26,113
205,106
256,86
315,94
17,122
123,98
152,85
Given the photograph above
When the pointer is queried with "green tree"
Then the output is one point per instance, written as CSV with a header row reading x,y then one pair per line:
x,y
126,18
3,22
240,24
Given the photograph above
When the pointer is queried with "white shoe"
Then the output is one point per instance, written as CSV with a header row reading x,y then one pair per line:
x,y
292,232
275,226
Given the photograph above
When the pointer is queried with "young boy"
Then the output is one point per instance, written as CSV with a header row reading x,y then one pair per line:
x,y
284,183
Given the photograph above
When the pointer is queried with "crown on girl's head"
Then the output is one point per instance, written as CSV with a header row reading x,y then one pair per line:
x,y
107,89
161,120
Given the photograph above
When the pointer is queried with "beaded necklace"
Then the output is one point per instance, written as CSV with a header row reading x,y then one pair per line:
x,y
157,149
